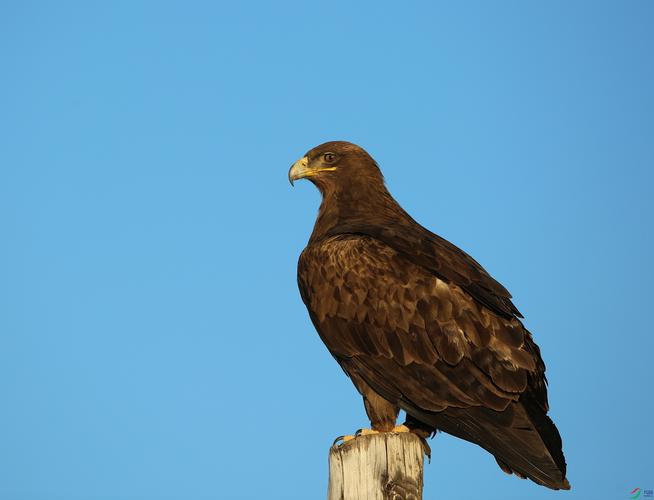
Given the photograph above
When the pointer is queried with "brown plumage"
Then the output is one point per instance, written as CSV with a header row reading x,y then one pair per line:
x,y
418,324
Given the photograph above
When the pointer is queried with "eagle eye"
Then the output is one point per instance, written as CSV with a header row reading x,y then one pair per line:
x,y
329,157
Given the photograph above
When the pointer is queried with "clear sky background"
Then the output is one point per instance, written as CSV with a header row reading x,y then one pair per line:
x,y
153,344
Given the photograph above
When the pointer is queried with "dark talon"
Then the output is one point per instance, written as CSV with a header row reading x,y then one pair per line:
x,y
339,438
427,448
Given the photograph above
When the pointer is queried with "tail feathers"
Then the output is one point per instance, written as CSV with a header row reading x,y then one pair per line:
x,y
524,440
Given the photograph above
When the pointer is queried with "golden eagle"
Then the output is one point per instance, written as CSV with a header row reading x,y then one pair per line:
x,y
418,324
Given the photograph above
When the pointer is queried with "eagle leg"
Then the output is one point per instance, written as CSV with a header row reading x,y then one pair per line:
x,y
381,413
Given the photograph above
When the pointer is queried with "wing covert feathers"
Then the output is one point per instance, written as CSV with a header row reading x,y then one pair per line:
x,y
434,345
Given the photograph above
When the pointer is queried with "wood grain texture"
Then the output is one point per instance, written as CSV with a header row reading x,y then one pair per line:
x,y
386,466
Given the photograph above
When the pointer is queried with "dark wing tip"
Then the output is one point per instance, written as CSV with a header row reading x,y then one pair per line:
x,y
563,485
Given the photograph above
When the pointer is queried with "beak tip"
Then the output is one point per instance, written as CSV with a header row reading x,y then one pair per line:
x,y
297,171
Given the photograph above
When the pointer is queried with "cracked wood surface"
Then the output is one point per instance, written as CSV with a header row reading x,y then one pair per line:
x,y
386,466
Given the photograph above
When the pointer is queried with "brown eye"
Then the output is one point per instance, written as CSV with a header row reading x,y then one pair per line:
x,y
329,157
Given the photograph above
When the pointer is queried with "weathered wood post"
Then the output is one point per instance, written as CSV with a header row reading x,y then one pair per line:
x,y
386,466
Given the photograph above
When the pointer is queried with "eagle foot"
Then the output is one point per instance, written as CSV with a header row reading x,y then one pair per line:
x,y
341,440
365,432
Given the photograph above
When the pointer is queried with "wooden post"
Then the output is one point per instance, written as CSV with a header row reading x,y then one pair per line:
x,y
386,466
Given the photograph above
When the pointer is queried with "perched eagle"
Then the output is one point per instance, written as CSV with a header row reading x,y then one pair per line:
x,y
418,324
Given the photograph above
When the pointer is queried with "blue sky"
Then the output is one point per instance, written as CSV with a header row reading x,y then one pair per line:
x,y
153,344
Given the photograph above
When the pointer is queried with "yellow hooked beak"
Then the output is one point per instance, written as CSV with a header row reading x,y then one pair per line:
x,y
300,170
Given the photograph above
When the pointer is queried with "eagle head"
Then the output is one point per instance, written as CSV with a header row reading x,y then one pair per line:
x,y
337,166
